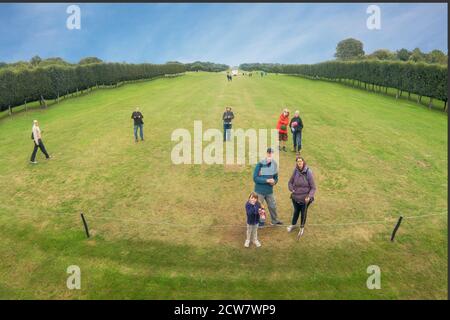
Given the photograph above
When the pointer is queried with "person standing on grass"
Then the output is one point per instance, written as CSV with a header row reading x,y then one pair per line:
x,y
138,124
37,139
302,188
282,125
227,117
296,126
265,177
252,208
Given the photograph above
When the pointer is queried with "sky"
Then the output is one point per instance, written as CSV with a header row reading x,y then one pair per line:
x,y
222,33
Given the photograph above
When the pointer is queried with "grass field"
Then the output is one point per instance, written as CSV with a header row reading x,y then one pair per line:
x,y
166,231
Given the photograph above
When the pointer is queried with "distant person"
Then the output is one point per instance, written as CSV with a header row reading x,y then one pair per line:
x,y
265,177
296,126
138,124
253,209
36,136
302,188
282,125
227,117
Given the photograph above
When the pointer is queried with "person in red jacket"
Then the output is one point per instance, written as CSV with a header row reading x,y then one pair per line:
x,y
282,127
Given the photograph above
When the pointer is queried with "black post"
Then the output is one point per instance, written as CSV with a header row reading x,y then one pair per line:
x,y
396,228
85,225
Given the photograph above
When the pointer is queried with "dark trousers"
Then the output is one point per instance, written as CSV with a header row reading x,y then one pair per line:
x,y
40,146
297,138
299,209
226,135
141,132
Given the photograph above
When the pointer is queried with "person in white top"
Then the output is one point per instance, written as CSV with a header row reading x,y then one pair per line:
x,y
37,139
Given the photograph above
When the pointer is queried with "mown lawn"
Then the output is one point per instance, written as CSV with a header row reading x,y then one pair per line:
x,y
164,231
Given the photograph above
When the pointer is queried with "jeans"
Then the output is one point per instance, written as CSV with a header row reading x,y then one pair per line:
x,y
252,232
271,204
226,131
41,146
299,208
297,138
141,131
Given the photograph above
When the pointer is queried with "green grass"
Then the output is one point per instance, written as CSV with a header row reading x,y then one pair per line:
x,y
156,226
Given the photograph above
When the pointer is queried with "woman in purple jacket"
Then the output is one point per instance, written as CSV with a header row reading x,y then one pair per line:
x,y
303,188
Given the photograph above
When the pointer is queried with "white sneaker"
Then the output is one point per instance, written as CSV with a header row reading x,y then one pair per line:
x,y
301,231
257,244
247,243
290,228
33,162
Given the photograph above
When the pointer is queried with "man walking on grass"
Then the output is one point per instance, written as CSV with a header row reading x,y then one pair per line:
x,y
265,177
138,124
38,144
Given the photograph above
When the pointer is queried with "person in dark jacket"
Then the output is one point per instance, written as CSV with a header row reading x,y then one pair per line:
x,y
138,124
227,117
252,208
265,177
302,188
296,126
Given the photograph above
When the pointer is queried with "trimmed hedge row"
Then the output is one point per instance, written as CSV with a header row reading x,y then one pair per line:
x,y
429,80
20,86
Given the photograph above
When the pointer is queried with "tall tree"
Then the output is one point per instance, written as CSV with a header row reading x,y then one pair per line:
x,y
403,54
35,61
349,49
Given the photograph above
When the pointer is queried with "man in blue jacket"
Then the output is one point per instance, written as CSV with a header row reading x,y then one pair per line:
x,y
265,177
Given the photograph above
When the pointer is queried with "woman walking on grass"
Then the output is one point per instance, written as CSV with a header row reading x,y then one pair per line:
x,y
302,188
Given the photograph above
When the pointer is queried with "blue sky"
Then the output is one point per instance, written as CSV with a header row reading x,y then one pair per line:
x,y
223,33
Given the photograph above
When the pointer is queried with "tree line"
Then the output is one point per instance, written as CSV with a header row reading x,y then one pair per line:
x,y
22,85
38,80
353,49
427,80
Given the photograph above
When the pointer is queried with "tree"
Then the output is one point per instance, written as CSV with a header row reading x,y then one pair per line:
x,y
382,54
89,60
349,49
35,61
417,55
436,56
403,54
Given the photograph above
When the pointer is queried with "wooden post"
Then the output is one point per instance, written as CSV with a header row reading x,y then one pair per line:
x,y
396,228
86,228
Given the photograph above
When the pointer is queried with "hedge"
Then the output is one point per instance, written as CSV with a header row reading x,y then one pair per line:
x,y
429,80
26,85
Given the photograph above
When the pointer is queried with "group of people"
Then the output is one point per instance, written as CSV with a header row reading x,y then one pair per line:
x,y
265,176
295,125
